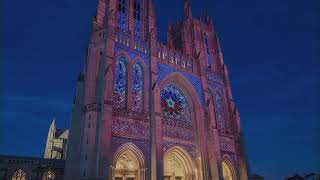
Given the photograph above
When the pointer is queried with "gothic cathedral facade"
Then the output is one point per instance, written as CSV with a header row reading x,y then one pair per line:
x,y
148,111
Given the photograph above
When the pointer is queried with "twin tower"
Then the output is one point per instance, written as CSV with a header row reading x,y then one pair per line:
x,y
151,111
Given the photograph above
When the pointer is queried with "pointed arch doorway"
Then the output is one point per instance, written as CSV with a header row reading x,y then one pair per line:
x,y
128,163
178,165
227,170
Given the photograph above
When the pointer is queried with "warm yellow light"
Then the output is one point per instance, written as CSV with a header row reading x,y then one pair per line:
x,y
227,171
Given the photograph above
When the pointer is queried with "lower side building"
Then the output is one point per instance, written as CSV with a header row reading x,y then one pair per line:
x,y
29,168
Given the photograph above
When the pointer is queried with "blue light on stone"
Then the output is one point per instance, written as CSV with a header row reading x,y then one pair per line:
x,y
165,70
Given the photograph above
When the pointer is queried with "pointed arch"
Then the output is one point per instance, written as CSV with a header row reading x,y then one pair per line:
x,y
137,98
219,107
178,164
19,174
228,170
129,161
179,105
120,83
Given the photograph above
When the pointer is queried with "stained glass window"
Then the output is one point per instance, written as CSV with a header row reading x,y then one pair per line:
x,y
49,175
120,84
207,49
137,88
174,106
122,15
219,111
19,175
137,18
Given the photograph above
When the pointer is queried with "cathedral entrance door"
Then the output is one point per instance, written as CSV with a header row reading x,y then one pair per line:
x,y
178,165
227,170
122,178
128,164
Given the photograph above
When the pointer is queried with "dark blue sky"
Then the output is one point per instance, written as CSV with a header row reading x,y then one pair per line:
x,y
272,49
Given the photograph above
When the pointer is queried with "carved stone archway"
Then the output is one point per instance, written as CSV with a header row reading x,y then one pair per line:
x,y
128,163
228,170
178,165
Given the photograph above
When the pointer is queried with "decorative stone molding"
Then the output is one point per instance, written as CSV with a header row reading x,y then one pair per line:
x,y
127,127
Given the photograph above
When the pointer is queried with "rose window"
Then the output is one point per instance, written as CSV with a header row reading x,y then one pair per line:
x,y
174,107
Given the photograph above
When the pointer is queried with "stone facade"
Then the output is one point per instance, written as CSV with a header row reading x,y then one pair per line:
x,y
28,168
146,111
56,146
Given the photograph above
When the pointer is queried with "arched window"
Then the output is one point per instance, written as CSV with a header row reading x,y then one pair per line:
x,y
49,175
122,15
137,18
120,84
219,111
175,108
137,88
206,41
19,175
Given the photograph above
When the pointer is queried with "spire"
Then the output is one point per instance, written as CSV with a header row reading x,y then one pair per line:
x,y
53,124
187,10
152,27
170,36
151,8
101,12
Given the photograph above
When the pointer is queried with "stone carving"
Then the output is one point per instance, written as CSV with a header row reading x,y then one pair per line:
x,y
143,145
178,133
129,127
214,80
127,161
190,148
227,144
174,164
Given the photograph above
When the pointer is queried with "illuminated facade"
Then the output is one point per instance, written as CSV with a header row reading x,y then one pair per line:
x,y
56,146
28,168
147,111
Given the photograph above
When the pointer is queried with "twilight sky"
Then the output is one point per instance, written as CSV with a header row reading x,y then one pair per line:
x,y
272,49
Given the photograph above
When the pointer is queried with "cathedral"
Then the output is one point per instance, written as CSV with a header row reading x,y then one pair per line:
x,y
146,110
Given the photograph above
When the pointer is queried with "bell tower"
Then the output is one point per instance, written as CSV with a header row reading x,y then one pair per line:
x,y
124,22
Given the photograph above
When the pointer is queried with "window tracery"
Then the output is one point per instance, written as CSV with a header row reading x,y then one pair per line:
x,y
19,175
49,175
137,87
120,85
227,170
175,108
219,111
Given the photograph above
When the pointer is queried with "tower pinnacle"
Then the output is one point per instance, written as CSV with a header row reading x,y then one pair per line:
x,y
187,10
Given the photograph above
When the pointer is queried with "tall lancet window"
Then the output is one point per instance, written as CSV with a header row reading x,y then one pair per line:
x,y
137,87
122,15
219,112
120,84
206,41
137,18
